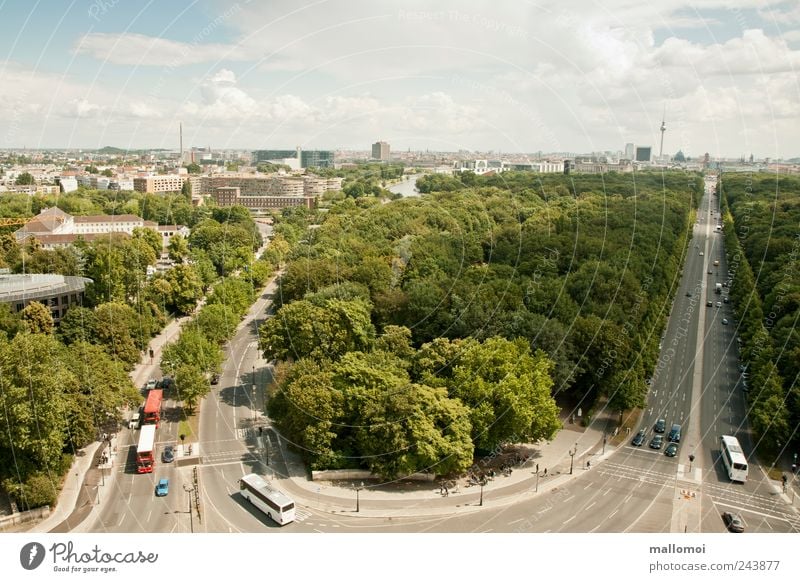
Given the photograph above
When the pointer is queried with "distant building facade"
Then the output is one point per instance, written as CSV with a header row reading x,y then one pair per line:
x,y
380,151
644,154
56,292
159,184
231,196
53,227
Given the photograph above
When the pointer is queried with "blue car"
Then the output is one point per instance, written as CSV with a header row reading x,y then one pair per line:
x,y
162,488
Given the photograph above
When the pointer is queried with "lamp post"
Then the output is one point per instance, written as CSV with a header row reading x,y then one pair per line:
x,y
605,438
537,478
358,507
572,457
189,491
482,483
691,460
254,394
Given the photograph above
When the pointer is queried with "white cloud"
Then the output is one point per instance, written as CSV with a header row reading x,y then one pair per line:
x,y
141,50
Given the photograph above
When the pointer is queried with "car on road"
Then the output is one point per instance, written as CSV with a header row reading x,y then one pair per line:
x,y
719,304
657,441
726,299
701,253
638,440
709,304
733,522
688,293
724,321
660,426
215,379
710,272
162,488
671,450
675,434
168,454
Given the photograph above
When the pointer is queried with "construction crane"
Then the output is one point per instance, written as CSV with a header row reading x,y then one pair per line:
x,y
14,221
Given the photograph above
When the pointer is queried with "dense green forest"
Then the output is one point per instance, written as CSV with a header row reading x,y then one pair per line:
x,y
762,215
63,386
387,307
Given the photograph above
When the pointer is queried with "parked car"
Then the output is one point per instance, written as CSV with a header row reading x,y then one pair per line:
x,y
660,426
724,321
657,441
726,299
710,272
701,253
638,440
709,304
162,488
671,450
168,454
733,522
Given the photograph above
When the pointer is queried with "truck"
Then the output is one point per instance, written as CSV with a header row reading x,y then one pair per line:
x,y
152,407
145,460
718,288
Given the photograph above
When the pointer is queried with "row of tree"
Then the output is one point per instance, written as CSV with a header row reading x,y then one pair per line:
x,y
581,268
761,214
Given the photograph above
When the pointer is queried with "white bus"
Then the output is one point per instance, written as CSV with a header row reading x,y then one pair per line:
x,y
278,507
733,458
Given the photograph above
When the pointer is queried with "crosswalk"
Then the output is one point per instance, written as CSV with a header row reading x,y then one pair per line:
x,y
301,514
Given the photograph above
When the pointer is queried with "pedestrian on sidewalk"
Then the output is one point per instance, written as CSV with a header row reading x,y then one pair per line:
x,y
545,471
588,465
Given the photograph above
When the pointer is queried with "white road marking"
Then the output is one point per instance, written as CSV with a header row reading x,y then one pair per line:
x,y
613,514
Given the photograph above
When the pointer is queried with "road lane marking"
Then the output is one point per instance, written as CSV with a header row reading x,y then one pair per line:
x,y
516,521
569,520
121,519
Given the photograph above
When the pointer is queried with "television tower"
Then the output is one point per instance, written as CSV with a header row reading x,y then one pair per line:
x,y
663,129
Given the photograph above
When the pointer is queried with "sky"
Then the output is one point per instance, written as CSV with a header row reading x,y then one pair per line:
x,y
503,76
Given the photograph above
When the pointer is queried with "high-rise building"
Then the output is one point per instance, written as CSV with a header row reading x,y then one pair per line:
x,y
380,151
316,159
643,154
629,151
273,155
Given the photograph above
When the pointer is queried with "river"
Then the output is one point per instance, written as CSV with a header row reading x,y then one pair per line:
x,y
406,187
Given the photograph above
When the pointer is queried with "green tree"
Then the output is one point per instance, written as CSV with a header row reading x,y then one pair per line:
x,y
115,328
178,248
151,237
107,173
191,385
25,179
217,322
186,190
77,325
193,168
33,388
36,318
187,288
10,324
193,349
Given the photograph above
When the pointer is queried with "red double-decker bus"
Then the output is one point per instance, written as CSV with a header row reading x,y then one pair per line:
x,y
152,407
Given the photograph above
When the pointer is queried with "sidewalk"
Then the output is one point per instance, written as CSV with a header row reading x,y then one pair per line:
x,y
426,498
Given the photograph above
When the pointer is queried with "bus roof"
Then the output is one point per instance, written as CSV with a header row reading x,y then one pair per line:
x,y
733,445
153,402
258,482
147,439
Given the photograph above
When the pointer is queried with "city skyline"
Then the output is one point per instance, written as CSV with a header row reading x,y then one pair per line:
x,y
444,77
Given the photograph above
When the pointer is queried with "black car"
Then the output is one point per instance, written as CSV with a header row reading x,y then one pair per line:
x,y
638,440
215,379
657,441
709,304
168,455
661,425
671,450
733,522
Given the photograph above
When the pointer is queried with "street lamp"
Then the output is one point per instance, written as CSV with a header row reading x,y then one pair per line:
x,y
691,460
572,457
358,507
254,393
482,483
189,491
537,478
605,438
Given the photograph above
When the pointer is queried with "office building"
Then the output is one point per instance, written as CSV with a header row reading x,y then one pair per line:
x,y
57,292
643,154
159,184
316,159
380,151
629,151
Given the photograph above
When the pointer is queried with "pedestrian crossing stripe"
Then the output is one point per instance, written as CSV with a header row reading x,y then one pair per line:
x,y
301,514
